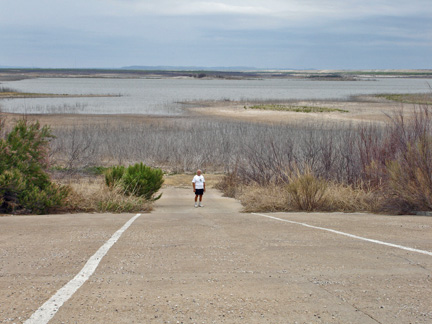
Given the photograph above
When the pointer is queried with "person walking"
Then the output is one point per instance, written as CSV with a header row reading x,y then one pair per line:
x,y
198,184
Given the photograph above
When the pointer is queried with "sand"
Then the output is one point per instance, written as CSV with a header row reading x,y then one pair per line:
x,y
365,110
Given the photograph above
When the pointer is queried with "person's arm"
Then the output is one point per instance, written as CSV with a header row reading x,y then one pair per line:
x,y
193,185
204,186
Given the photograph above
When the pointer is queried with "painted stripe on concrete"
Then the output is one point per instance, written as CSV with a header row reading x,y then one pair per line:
x,y
349,235
47,311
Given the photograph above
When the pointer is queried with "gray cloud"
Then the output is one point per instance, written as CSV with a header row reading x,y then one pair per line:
x,y
263,33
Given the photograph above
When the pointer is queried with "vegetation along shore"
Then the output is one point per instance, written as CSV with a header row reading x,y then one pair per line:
x,y
364,154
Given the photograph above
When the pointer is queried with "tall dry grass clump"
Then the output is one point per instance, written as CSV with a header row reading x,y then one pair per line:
x,y
307,192
271,198
351,198
410,171
90,195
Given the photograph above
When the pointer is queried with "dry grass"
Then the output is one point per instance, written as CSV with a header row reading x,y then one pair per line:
x,y
295,108
270,198
184,180
92,195
306,190
411,98
338,197
345,198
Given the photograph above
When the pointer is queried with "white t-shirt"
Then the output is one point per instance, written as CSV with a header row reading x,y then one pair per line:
x,y
199,181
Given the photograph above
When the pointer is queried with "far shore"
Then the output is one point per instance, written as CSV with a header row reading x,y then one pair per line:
x,y
15,74
22,95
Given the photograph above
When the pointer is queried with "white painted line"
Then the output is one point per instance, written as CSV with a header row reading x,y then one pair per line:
x,y
349,235
47,311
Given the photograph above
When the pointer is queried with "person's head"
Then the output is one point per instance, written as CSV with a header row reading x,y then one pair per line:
x,y
199,172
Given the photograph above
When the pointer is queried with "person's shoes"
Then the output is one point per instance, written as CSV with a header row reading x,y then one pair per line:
x,y
196,205
200,205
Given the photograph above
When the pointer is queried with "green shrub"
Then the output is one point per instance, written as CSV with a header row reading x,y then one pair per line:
x,y
24,185
113,175
138,180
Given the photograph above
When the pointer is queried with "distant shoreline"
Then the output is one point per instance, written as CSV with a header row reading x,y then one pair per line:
x,y
23,95
10,74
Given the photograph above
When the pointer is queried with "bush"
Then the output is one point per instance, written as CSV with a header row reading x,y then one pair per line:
x,y
138,180
400,164
92,195
306,190
113,175
410,176
229,184
24,185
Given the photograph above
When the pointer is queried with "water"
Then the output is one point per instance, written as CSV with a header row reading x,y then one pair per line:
x,y
162,96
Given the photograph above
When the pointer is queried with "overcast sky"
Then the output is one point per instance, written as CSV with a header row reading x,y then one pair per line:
x,y
297,34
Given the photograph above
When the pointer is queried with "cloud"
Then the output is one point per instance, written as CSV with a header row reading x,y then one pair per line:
x,y
300,9
188,8
239,14
263,32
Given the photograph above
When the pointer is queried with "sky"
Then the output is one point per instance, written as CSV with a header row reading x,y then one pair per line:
x,y
267,34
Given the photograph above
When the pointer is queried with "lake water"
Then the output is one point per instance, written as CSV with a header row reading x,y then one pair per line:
x,y
161,96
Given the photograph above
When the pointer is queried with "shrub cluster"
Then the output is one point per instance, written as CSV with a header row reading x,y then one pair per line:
x,y
407,174
385,169
25,187
137,180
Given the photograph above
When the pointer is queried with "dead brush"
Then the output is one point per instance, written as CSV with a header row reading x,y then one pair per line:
x,y
229,184
410,176
402,172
